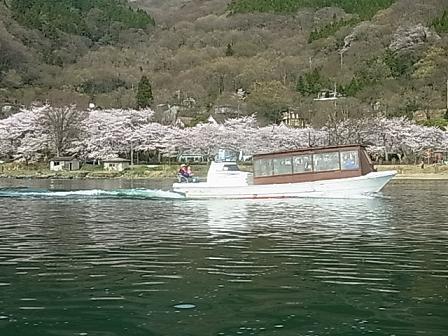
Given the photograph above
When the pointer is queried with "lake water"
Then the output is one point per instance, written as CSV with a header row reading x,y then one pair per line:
x,y
110,263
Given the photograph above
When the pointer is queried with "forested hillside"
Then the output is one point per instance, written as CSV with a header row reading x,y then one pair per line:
x,y
386,57
363,8
99,20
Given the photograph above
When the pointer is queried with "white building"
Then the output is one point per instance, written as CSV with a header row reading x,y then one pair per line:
x,y
64,163
196,158
116,164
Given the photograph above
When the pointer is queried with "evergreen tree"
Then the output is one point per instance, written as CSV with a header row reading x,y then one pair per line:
x,y
229,50
144,93
69,16
365,9
301,86
311,83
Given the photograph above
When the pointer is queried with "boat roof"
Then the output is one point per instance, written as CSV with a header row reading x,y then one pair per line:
x,y
307,150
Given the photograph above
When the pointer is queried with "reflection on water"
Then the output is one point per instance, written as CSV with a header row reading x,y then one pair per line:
x,y
347,215
226,220
133,266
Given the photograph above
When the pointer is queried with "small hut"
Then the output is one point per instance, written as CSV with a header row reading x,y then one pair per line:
x,y
440,156
67,163
116,164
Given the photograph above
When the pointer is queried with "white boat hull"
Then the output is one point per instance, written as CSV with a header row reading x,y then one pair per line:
x,y
336,188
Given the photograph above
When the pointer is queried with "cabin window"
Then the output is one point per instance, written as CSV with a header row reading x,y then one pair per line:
x,y
263,167
349,160
302,164
326,161
56,163
282,166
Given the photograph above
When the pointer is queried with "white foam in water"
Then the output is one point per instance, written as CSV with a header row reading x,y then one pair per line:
x,y
185,306
123,193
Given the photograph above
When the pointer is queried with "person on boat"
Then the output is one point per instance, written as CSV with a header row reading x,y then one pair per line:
x,y
189,171
350,164
185,174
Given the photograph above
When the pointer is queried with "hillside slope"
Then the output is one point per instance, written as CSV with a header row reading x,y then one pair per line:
x,y
385,56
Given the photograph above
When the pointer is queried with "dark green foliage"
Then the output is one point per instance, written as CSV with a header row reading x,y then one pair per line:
x,y
359,81
364,8
91,18
331,28
229,50
274,116
441,24
439,123
445,116
355,85
311,83
362,79
400,64
411,105
199,118
98,86
50,58
144,93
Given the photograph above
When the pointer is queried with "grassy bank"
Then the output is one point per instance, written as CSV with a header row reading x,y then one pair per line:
x,y
42,171
417,172
162,171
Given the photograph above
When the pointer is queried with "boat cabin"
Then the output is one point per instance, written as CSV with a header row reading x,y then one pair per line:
x,y
311,164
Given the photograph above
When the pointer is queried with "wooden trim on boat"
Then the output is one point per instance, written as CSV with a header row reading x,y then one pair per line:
x,y
365,162
307,177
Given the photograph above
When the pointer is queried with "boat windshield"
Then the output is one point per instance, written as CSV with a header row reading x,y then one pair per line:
x,y
226,155
230,167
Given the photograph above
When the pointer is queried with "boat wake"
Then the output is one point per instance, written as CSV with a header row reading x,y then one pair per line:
x,y
139,193
93,193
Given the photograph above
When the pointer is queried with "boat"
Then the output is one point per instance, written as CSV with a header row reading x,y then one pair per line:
x,y
328,172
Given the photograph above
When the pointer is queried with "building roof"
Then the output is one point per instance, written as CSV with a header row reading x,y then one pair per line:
x,y
64,158
116,160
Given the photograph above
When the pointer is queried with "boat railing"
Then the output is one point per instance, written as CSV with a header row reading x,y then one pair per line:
x,y
184,179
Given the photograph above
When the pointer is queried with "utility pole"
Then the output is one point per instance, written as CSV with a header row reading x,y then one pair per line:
x,y
132,156
342,55
447,95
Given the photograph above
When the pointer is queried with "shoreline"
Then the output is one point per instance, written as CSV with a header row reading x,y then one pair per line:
x,y
415,172
398,177
405,172
420,177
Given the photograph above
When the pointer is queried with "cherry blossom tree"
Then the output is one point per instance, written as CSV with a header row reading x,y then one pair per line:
x,y
37,133
63,126
22,136
109,133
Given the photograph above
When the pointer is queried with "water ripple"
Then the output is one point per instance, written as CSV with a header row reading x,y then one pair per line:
x,y
125,265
